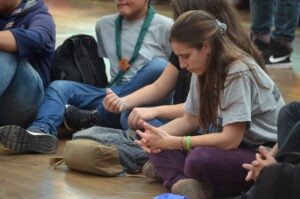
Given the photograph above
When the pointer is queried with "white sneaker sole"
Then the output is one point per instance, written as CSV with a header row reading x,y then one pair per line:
x,y
279,66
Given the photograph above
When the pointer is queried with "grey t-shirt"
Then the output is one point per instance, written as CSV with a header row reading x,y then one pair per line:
x,y
244,100
155,44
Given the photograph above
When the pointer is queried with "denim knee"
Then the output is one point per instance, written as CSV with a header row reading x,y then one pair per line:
x,y
289,113
293,106
287,108
59,87
157,65
9,64
21,101
288,116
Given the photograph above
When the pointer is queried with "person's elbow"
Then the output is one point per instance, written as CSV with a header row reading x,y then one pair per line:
x,y
36,43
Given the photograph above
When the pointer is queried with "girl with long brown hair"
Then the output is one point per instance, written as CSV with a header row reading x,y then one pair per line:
x,y
227,83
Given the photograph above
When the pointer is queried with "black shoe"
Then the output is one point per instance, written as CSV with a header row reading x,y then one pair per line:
x,y
77,119
262,46
277,55
22,140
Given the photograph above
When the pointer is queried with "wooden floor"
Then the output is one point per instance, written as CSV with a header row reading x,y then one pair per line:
x,y
30,175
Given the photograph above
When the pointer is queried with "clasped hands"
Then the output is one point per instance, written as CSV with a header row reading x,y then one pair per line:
x,y
153,139
263,159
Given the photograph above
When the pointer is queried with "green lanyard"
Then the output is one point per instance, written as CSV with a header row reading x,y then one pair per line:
x,y
124,64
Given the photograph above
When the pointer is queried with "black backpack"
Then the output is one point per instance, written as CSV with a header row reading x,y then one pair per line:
x,y
77,60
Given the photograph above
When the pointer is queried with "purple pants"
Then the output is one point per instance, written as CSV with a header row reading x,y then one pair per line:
x,y
219,167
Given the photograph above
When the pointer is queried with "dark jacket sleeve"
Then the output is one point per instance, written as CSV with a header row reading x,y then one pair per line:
x,y
37,37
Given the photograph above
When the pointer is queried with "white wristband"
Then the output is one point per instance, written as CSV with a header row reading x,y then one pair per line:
x,y
124,104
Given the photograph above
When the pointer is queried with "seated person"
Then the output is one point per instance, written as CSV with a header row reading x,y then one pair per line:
x,y
233,87
140,36
27,46
288,126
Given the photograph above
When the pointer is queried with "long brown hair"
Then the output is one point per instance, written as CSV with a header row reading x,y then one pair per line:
x,y
193,28
227,14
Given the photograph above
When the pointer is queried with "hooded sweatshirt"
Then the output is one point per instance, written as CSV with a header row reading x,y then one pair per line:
x,y
34,31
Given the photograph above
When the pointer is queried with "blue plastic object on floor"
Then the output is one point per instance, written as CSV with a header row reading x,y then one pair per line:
x,y
170,196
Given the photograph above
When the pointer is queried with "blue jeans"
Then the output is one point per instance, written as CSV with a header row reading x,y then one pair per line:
x,y
284,14
60,93
156,122
21,90
159,122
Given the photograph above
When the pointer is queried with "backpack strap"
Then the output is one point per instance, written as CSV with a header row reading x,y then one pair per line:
x,y
55,162
97,63
83,61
